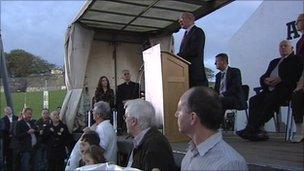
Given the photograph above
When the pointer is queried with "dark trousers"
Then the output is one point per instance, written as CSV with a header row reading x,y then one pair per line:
x,y
229,103
25,161
121,125
8,156
263,105
297,105
56,164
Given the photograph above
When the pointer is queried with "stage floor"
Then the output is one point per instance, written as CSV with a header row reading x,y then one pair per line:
x,y
274,154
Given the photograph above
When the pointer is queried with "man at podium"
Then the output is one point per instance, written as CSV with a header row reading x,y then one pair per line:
x,y
192,49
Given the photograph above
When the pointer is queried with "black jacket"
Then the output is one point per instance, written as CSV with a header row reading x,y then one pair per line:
x,y
289,71
233,85
7,130
300,48
126,91
24,139
192,49
154,151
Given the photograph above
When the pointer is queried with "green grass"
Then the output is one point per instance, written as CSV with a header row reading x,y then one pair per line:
x,y
34,101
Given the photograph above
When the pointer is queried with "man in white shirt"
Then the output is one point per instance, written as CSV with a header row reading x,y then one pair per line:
x,y
106,132
199,115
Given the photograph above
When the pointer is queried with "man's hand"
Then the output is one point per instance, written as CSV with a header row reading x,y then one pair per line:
x,y
275,81
31,131
300,86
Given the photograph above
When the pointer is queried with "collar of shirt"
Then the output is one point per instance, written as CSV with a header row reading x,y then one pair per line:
x,y
138,138
208,144
189,28
10,118
224,71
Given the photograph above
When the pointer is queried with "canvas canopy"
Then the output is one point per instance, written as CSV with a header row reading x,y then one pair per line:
x,y
107,37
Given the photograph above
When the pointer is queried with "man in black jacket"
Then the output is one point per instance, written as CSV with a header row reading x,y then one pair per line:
x,y
277,83
228,84
192,49
151,148
8,121
25,133
126,91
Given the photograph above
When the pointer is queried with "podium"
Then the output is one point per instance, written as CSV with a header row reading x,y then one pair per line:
x,y
166,79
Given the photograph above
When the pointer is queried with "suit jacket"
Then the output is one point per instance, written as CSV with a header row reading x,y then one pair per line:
x,y
233,85
300,48
192,49
154,151
8,130
126,91
289,71
24,139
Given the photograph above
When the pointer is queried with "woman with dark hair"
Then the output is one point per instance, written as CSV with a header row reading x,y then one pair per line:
x,y
103,92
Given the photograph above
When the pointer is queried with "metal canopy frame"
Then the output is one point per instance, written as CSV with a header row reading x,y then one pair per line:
x,y
143,16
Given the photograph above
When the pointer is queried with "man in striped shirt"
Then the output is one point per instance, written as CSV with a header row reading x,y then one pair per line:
x,y
199,115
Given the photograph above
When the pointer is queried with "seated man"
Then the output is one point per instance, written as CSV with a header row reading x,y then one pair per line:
x,y
151,148
199,115
126,91
278,83
106,132
298,110
228,84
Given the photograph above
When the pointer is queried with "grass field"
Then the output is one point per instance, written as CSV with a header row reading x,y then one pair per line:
x,y
33,100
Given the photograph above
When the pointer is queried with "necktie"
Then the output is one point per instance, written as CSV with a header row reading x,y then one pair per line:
x,y
222,86
183,41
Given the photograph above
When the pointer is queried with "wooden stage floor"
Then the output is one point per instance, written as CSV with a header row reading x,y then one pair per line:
x,y
274,154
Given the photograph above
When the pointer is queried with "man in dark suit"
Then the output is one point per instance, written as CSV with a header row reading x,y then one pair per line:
x,y
300,43
228,84
192,49
25,133
277,83
126,91
8,121
298,94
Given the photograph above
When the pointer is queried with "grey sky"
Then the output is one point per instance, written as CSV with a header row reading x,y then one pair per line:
x,y
39,27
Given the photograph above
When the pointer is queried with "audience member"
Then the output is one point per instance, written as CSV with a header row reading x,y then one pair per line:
x,y
228,84
192,49
199,116
103,92
278,83
25,133
151,148
74,160
94,155
7,134
108,138
41,159
127,91
57,136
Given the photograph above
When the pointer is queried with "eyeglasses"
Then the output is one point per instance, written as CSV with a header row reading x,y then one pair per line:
x,y
126,74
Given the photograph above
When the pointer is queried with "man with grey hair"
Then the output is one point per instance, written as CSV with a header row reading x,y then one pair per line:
x,y
151,148
106,132
277,83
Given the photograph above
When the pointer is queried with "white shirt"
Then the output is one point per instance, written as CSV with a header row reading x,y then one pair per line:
x,y
108,140
213,154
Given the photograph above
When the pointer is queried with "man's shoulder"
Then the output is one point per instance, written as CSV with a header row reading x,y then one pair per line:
x,y
155,138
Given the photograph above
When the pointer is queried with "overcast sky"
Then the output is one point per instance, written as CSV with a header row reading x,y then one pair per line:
x,y
39,27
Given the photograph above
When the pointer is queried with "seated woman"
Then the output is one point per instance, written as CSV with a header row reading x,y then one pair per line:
x,y
103,92
94,155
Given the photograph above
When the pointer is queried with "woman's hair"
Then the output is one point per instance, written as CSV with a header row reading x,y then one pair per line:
x,y
91,137
96,153
99,86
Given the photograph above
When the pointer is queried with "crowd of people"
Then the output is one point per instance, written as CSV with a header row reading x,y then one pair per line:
x,y
46,143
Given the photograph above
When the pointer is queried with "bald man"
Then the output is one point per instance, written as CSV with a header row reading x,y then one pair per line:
x,y
192,49
278,83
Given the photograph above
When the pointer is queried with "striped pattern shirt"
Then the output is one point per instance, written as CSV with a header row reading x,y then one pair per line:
x,y
213,154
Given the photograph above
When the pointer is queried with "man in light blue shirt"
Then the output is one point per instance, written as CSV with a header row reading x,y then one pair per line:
x,y
199,115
